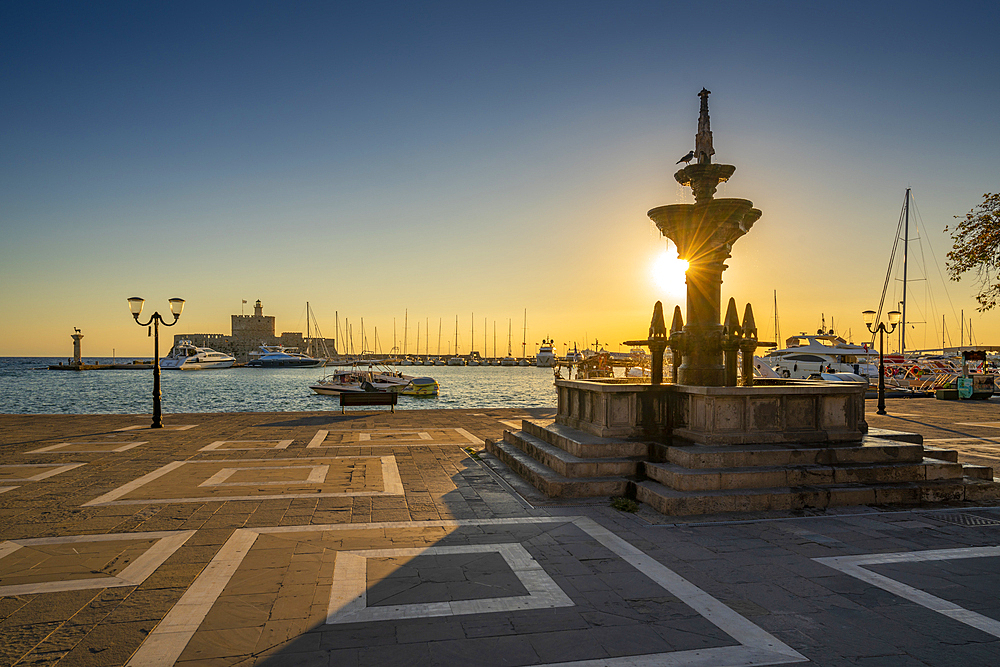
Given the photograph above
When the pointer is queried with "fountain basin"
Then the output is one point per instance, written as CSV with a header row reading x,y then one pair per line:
x,y
803,412
702,227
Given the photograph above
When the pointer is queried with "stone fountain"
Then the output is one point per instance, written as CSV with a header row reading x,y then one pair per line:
x,y
707,442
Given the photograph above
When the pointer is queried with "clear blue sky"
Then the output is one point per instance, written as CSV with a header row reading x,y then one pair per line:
x,y
451,158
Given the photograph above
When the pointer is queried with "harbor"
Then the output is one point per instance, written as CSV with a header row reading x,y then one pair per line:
x,y
458,336
26,386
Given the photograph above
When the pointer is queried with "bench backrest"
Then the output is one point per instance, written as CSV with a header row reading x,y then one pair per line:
x,y
353,398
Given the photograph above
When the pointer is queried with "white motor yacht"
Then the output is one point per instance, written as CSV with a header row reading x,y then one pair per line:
x,y
277,356
546,357
187,357
806,354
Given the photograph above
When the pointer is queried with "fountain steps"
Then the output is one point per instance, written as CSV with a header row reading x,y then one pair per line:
x,y
568,465
755,477
868,451
680,503
551,483
704,479
582,444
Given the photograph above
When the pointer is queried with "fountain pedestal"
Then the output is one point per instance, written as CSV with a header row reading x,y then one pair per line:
x,y
704,445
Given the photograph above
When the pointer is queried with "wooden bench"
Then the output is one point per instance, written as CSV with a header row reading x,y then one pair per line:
x,y
357,398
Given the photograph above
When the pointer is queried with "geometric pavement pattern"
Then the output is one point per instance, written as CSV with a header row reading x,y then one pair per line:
x,y
239,570
260,479
861,567
345,578
50,564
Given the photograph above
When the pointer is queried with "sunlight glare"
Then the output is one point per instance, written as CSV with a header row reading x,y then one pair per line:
x,y
668,272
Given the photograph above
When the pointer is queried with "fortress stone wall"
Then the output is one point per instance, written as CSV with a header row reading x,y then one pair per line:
x,y
250,332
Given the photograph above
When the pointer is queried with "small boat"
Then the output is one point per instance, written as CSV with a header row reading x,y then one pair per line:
x,y
187,357
456,361
355,379
277,356
423,386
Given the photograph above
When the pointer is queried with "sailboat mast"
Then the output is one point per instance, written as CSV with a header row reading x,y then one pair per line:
x,y
472,340
524,336
439,336
406,322
906,243
777,331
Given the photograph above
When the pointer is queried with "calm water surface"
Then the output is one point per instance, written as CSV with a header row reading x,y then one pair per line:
x,y
28,387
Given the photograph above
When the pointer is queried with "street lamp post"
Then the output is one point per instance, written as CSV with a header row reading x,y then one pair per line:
x,y
881,328
176,306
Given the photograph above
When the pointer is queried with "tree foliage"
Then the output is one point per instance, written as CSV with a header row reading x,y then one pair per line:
x,y
976,250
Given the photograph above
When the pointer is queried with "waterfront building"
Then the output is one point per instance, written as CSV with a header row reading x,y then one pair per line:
x,y
249,332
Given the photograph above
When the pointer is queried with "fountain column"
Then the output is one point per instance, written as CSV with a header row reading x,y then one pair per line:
x,y
704,233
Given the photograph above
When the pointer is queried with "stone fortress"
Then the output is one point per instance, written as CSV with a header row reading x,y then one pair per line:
x,y
251,331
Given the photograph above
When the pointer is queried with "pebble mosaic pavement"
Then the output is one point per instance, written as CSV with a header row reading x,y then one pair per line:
x,y
374,538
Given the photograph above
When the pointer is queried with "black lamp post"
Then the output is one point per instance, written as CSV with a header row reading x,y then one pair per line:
x,y
881,328
176,306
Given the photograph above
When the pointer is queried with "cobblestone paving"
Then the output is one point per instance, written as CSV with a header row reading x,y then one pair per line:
x,y
374,539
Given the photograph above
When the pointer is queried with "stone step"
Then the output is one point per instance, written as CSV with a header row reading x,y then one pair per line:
x,y
686,503
564,463
896,436
550,482
585,445
978,471
760,477
869,451
941,454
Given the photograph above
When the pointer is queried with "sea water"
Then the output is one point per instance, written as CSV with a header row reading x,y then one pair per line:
x,y
28,387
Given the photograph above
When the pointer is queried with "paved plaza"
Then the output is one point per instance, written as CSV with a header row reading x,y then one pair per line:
x,y
372,538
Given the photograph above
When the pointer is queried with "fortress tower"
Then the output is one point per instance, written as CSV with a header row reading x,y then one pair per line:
x,y
259,327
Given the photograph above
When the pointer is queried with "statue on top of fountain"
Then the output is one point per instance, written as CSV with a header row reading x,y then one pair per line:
x,y
703,140
704,233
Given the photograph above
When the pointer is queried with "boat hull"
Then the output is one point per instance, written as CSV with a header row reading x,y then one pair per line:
x,y
201,366
287,363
